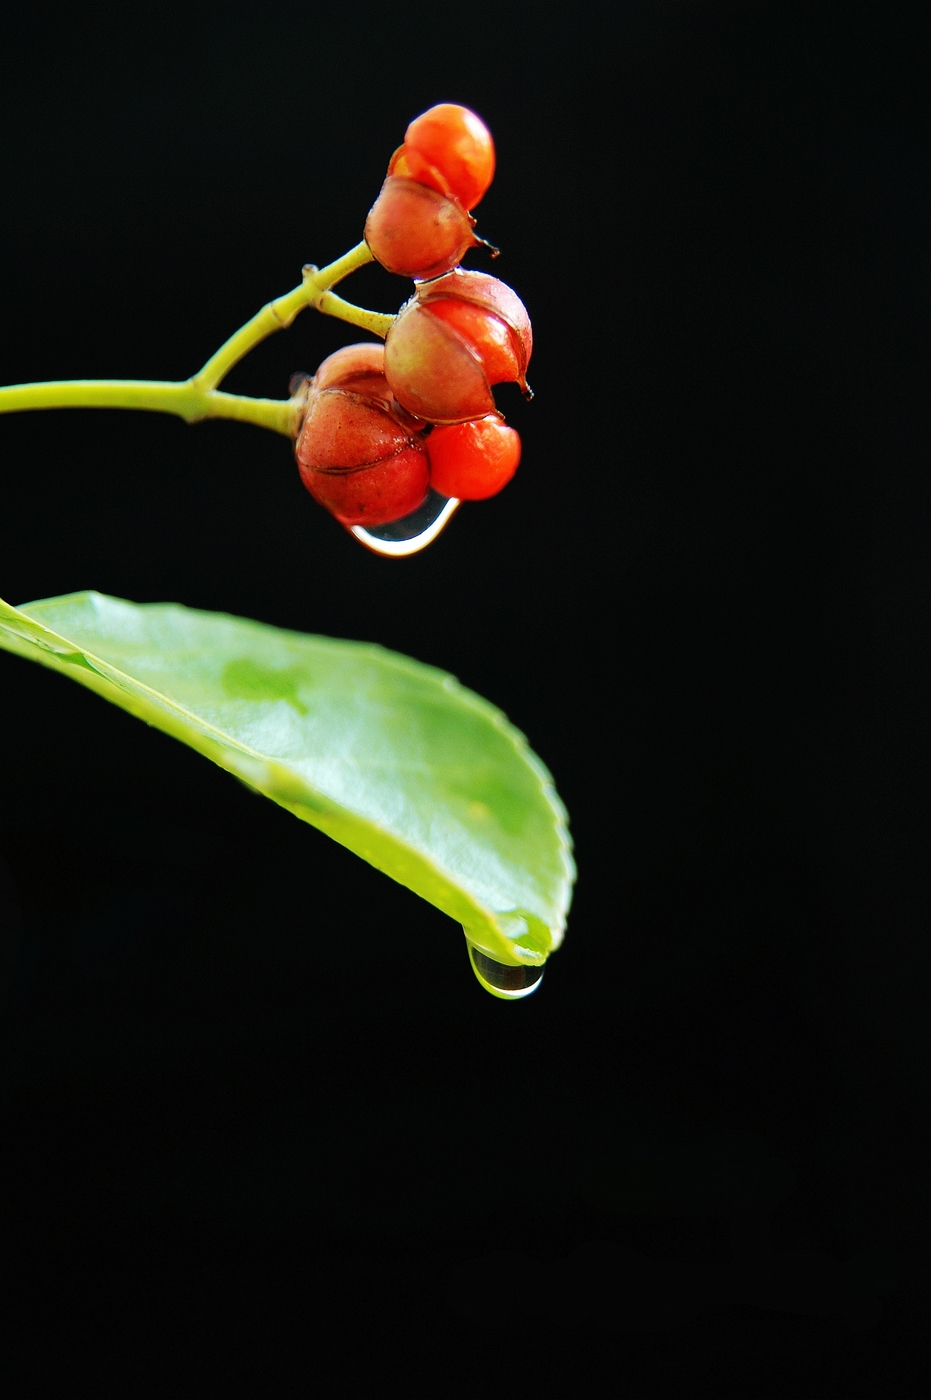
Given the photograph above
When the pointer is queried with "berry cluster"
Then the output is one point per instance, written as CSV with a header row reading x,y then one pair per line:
x,y
381,425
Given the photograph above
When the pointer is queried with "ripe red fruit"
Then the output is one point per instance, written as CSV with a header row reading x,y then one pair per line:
x,y
456,337
473,460
359,454
419,225
455,142
416,230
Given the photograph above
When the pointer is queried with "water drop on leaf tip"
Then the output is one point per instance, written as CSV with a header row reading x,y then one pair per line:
x,y
508,983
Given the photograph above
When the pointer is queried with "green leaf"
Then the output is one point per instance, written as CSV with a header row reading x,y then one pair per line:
x,y
396,760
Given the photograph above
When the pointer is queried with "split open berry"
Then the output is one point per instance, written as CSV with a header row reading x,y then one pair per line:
x,y
456,337
359,454
473,460
416,230
420,226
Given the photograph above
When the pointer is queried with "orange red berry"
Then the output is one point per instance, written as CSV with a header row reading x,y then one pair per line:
x,y
415,230
456,337
420,226
473,461
454,142
358,453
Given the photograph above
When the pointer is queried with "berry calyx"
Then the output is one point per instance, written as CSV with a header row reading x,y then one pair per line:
x,y
457,144
456,337
415,230
359,454
473,460
358,368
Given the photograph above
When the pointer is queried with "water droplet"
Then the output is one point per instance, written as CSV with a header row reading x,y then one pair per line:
x,y
508,983
412,533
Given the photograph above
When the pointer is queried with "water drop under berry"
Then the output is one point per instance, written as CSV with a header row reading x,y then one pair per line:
x,y
413,532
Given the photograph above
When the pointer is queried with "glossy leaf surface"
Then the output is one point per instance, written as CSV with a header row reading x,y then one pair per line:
x,y
393,759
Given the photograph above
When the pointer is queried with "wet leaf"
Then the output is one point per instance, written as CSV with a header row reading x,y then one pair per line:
x,y
393,759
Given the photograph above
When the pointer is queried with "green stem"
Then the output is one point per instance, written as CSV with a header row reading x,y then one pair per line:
x,y
332,305
279,314
198,397
186,399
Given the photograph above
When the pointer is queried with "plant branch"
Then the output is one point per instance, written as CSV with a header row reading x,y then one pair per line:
x,y
198,397
185,399
278,314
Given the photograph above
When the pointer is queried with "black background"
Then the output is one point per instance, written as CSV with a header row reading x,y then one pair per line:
x,y
256,1111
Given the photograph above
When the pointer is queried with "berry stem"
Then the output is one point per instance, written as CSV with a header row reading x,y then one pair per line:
x,y
280,313
198,397
375,321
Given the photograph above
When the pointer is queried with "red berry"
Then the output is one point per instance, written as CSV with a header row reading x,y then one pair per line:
x,y
358,453
458,144
417,231
419,225
473,460
456,337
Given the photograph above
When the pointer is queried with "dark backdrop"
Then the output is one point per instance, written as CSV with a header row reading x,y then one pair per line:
x,y
261,1126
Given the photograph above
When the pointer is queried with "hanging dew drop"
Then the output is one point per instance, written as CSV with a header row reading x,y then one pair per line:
x,y
508,983
413,532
